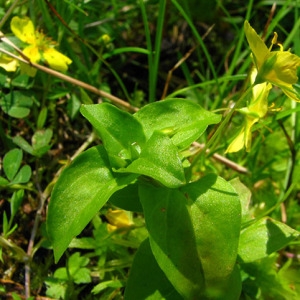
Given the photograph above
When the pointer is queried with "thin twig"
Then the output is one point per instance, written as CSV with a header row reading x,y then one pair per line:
x,y
62,76
229,163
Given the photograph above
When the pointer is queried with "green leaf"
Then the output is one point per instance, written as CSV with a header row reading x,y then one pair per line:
x,y
185,121
85,98
263,277
56,288
244,196
12,162
76,264
40,141
191,236
23,176
127,198
81,190
172,239
5,224
21,81
115,284
3,181
159,159
73,106
263,238
215,212
16,104
23,144
121,133
146,280
42,118
16,201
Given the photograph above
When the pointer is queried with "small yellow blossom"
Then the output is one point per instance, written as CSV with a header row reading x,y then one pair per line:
x,y
39,47
276,67
105,38
257,109
117,218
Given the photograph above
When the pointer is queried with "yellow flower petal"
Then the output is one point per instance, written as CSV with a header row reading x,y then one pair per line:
x,y
284,71
32,52
248,132
23,29
238,143
56,60
118,218
111,228
260,93
259,104
244,138
8,63
258,47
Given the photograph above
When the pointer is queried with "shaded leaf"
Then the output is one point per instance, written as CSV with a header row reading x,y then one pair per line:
x,y
172,239
146,280
127,198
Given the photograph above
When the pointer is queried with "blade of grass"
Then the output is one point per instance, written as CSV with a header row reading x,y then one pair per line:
x,y
236,55
200,42
157,48
224,79
153,57
125,50
149,47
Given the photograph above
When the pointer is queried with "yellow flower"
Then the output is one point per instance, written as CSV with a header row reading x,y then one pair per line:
x,y
117,218
276,67
39,47
257,109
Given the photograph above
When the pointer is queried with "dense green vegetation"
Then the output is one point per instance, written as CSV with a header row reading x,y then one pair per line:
x,y
107,192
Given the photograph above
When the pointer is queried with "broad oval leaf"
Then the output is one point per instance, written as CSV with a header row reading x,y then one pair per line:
x,y
121,133
215,212
194,234
12,162
80,191
184,120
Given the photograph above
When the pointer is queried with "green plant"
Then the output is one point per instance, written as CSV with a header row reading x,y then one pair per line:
x,y
148,163
199,232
